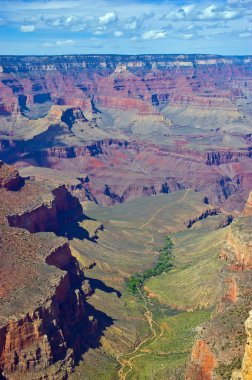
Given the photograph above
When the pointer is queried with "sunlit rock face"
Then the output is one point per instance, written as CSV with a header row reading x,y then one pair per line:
x,y
167,122
44,319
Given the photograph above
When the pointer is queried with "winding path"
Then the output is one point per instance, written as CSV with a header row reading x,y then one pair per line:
x,y
142,349
156,330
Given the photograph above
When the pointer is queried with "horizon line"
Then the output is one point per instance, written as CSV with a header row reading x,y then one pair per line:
x,y
124,55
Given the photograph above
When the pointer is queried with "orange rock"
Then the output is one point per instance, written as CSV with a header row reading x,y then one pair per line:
x,y
202,362
248,208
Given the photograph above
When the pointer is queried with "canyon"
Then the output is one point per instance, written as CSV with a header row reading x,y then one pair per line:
x,y
152,116
102,157
45,317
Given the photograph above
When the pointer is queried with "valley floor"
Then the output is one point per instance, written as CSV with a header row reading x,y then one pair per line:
x,y
152,332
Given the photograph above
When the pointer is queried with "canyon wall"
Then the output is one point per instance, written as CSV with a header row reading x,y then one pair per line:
x,y
45,320
218,352
166,122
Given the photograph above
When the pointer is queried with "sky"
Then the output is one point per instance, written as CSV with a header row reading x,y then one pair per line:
x,y
125,27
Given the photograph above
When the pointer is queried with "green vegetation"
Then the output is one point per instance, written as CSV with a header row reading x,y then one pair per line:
x,y
163,264
167,356
194,281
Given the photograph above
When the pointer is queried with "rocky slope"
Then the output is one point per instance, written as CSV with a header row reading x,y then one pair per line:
x,y
45,320
140,82
164,121
146,169
219,351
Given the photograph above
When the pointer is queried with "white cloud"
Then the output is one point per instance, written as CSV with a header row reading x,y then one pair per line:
x,y
118,33
208,12
71,20
27,28
131,25
154,35
58,43
47,44
245,35
188,8
180,13
187,36
213,13
65,42
108,18
230,15
100,30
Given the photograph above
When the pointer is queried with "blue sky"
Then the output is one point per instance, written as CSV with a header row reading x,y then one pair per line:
x,y
125,26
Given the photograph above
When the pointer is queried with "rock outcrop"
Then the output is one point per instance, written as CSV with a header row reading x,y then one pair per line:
x,y
184,117
202,362
60,209
9,178
45,321
248,207
238,248
223,334
247,359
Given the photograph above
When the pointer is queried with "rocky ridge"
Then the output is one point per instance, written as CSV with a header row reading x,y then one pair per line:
x,y
45,322
190,112
215,353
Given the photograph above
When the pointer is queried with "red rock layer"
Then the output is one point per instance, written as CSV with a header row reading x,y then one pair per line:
x,y
202,362
148,169
44,322
141,82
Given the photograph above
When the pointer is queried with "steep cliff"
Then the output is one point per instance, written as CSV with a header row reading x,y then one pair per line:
x,y
238,248
185,118
224,335
45,321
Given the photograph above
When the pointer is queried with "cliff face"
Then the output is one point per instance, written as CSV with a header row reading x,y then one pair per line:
x,y
238,248
140,82
146,169
223,354
9,178
165,121
202,362
63,208
45,322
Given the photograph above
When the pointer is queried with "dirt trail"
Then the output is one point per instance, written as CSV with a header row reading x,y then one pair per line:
x,y
142,349
156,330
163,208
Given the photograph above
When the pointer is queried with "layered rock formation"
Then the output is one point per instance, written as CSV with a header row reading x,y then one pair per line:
x,y
165,121
238,248
44,321
140,82
222,339
145,168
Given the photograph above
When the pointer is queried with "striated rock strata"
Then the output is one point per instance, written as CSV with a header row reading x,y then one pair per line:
x,y
224,335
44,322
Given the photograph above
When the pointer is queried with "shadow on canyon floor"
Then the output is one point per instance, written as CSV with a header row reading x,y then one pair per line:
x,y
91,332
74,230
98,284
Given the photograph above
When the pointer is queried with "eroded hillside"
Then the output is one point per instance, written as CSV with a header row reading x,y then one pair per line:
x,y
166,122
